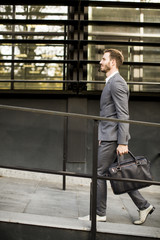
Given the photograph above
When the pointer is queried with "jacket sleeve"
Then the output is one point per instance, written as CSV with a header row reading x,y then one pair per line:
x,y
119,92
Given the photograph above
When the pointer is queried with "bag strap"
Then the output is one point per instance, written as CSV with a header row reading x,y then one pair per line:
x,y
131,154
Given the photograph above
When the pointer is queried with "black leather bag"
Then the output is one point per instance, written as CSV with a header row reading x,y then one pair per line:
x,y
134,168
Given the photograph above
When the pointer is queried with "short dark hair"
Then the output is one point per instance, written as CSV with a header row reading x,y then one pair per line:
x,y
117,55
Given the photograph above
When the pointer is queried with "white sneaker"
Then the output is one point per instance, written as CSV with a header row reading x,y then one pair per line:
x,y
143,214
98,218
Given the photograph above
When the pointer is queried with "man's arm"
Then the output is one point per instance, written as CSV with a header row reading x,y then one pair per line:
x,y
120,98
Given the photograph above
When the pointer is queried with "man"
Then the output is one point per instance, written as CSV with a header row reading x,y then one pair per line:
x,y
113,137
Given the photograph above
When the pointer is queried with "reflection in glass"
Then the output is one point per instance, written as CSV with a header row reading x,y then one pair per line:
x,y
125,33
22,52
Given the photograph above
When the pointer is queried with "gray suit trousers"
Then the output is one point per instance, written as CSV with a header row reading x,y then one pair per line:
x,y
106,156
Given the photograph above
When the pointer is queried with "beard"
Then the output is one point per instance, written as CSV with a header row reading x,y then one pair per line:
x,y
105,68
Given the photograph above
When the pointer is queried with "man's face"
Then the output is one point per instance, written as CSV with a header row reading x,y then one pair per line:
x,y
105,62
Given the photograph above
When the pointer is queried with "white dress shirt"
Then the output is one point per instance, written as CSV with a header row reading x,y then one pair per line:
x,y
107,79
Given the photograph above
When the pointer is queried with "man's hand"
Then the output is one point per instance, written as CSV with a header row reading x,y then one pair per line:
x,y
122,149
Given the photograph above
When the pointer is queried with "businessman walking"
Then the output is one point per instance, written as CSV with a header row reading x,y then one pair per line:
x,y
113,137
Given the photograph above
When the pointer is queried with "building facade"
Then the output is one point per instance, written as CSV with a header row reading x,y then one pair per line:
x,y
49,59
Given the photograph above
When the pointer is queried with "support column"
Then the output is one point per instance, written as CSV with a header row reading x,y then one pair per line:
x,y
78,51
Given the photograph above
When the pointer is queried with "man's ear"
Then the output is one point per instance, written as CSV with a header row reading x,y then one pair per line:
x,y
113,62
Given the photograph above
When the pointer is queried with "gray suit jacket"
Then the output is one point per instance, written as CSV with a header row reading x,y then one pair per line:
x,y
114,104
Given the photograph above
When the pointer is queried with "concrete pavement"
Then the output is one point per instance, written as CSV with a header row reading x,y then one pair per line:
x,y
42,202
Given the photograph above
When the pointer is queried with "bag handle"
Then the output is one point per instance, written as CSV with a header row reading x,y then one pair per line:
x,y
131,154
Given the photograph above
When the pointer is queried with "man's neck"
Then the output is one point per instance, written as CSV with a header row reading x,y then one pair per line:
x,y
111,72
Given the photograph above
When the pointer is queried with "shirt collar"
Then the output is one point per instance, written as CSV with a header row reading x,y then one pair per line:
x,y
107,79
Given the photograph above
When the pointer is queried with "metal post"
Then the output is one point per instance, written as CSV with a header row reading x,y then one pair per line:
x,y
94,182
65,150
13,50
64,58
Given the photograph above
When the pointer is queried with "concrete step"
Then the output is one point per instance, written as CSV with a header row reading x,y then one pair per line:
x,y
19,226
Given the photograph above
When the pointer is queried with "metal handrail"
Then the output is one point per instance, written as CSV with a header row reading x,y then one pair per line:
x,y
82,175
76,115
